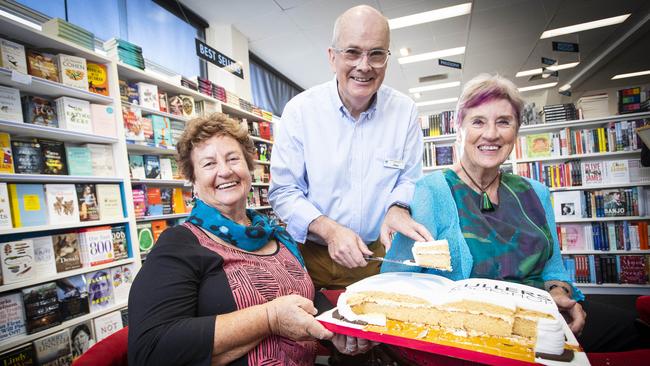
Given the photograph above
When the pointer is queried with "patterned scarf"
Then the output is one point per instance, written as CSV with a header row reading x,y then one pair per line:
x,y
249,238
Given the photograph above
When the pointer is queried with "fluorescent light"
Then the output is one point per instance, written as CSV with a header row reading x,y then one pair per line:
x,y
404,51
437,101
430,16
584,26
535,87
417,95
434,87
565,87
631,75
432,55
540,70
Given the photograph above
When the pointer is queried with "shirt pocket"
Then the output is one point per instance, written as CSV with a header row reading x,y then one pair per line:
x,y
387,164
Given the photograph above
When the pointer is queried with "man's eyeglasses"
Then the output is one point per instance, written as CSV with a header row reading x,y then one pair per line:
x,y
377,58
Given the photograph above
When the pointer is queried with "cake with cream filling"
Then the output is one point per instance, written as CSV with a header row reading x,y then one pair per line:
x,y
472,309
432,254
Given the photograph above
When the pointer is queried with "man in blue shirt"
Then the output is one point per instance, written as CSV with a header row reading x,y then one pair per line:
x,y
346,157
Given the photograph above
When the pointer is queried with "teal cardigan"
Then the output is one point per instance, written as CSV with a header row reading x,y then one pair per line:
x,y
434,207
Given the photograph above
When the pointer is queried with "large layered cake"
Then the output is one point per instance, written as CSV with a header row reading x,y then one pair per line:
x,y
474,312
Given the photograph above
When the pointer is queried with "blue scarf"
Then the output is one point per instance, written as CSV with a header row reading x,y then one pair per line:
x,y
249,238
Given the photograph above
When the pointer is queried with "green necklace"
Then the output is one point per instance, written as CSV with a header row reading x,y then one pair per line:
x,y
485,204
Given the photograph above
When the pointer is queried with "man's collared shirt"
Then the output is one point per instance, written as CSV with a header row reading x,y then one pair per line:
x,y
325,163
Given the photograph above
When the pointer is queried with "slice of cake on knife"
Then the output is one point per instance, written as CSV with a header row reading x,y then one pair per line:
x,y
432,254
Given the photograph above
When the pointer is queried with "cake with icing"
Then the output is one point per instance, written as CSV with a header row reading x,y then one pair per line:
x,y
471,312
432,254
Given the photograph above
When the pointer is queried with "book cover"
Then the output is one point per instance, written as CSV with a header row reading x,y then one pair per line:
x,y
262,151
12,56
139,200
44,261
62,206
17,261
7,161
108,324
82,338
188,197
176,174
72,293
66,252
54,349
148,95
54,159
110,201
87,200
5,208
154,202
615,203
41,307
176,105
132,118
96,245
567,205
120,285
120,243
42,65
147,130
10,106
166,200
162,102
157,228
79,160
100,290
178,204
39,111
593,172
102,161
97,78
136,166
28,206
103,120
444,155
145,236
574,235
177,127
12,316
125,316
27,157
539,145
23,356
74,114
166,172
72,71
187,106
151,166
162,134
617,171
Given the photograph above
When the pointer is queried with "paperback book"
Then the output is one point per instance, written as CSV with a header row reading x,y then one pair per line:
x,y
110,201
22,356
39,111
12,56
12,316
28,206
79,160
103,120
72,71
42,65
74,114
82,337
41,307
44,260
5,208
87,198
108,324
10,108
54,160
136,166
148,95
62,203
27,157
54,349
120,243
66,252
97,78
17,261
100,290
151,166
101,160
145,236
72,293
96,245
7,161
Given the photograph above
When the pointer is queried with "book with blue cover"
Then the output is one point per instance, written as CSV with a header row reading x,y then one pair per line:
x,y
28,206
79,160
162,134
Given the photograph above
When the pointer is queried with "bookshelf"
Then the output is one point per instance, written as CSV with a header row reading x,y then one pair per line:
x,y
30,85
579,125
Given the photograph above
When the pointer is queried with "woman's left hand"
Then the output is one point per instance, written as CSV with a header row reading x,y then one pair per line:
x,y
352,345
570,309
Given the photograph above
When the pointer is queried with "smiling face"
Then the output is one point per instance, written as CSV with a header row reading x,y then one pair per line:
x,y
366,30
222,177
487,135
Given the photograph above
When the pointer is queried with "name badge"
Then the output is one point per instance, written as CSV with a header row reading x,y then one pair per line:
x,y
394,164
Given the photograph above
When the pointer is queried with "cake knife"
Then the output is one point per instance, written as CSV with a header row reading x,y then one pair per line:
x,y
380,259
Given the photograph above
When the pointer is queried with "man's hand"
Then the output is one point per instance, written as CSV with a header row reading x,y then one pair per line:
x,y
399,220
570,309
344,245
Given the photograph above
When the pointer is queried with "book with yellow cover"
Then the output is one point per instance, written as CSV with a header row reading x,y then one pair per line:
x,y
7,162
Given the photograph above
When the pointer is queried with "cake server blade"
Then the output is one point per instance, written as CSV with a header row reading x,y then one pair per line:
x,y
405,263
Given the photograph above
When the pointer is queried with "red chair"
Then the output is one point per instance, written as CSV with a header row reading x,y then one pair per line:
x,y
110,351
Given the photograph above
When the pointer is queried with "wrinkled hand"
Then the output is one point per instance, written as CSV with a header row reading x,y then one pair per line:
x,y
399,220
570,309
346,247
352,345
292,316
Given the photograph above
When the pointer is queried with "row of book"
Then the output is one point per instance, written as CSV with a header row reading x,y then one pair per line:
x,y
258,196
71,32
150,231
600,269
27,204
155,201
207,87
150,130
147,95
617,136
68,70
261,129
45,256
438,124
64,112
153,167
559,112
124,51
261,173
605,236
37,308
437,155
65,346
40,156
601,203
585,173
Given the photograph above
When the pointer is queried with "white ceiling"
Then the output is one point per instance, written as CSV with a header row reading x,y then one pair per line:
x,y
500,35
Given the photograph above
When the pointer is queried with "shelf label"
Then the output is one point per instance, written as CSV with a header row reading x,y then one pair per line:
x,y
452,64
565,47
217,58
19,77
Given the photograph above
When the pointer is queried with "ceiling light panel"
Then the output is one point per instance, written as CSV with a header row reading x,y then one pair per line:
x,y
421,89
437,101
584,26
432,55
631,74
535,87
430,16
551,68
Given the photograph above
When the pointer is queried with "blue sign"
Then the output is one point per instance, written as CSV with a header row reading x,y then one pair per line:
x,y
565,47
217,58
452,64
548,61
566,93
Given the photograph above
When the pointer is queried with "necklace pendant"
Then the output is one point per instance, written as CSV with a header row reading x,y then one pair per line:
x,y
486,204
